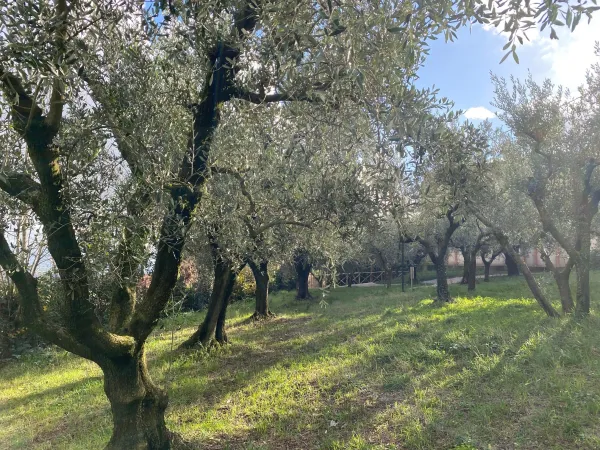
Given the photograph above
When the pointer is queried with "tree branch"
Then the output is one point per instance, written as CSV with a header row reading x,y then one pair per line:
x,y
549,226
587,176
21,187
24,109
274,223
33,313
243,187
54,115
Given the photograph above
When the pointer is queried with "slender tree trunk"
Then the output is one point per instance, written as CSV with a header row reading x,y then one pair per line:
x,y
137,405
537,292
466,265
443,292
220,334
388,278
261,276
529,278
302,274
512,266
561,276
472,275
582,308
224,281
582,267
562,281
487,265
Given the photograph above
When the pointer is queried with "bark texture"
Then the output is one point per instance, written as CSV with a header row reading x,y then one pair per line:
x,y
561,277
472,275
529,278
261,277
437,253
138,406
303,268
213,325
512,267
466,254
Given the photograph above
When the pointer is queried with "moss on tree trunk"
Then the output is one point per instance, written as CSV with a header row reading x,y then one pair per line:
x,y
137,404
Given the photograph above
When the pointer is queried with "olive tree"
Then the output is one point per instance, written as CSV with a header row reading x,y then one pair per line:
x,y
116,106
449,168
556,139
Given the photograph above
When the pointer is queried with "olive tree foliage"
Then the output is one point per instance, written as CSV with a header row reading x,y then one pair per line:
x,y
556,147
91,152
282,182
469,239
113,108
502,207
448,166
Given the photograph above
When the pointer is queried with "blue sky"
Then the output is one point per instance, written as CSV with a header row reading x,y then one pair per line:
x,y
461,69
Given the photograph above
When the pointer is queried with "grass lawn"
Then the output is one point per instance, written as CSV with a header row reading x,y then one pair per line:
x,y
427,275
375,369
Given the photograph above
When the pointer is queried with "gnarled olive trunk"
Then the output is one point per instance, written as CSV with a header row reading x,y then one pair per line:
x,y
443,292
302,274
529,278
261,277
561,276
487,265
472,274
220,334
137,404
582,307
466,265
512,267
224,281
439,260
564,289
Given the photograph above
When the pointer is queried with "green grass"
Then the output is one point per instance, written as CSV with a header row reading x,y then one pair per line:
x,y
375,369
427,275
451,272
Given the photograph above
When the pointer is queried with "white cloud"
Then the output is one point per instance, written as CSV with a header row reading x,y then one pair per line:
x,y
566,60
572,54
479,113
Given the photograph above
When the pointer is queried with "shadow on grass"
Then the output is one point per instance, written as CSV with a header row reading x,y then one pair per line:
x,y
373,369
346,391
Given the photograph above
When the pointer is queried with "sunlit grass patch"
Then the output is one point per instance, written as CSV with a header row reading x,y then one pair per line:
x,y
371,369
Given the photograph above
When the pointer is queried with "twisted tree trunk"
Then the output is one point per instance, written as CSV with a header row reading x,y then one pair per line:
x,y
439,258
561,277
213,325
137,404
303,268
512,267
564,289
261,277
472,271
466,254
442,290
